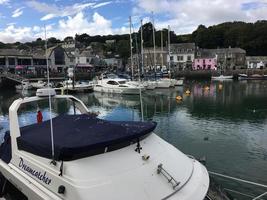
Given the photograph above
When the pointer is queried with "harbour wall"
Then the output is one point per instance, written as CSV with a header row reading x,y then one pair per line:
x,y
206,74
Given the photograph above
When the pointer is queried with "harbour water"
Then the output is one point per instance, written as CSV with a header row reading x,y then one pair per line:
x,y
226,123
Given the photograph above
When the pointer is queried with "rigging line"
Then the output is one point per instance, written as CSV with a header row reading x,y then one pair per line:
x,y
258,197
50,104
140,91
238,179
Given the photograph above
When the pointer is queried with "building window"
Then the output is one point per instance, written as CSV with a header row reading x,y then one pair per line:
x,y
87,60
2,61
171,58
11,61
188,58
59,56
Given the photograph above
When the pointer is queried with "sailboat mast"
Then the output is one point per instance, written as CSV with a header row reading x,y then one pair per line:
x,y
142,47
49,99
131,47
154,43
169,51
161,34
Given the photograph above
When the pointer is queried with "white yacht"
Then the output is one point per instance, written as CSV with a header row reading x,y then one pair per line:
x,y
150,85
164,83
118,86
25,85
222,77
89,158
179,82
78,86
39,84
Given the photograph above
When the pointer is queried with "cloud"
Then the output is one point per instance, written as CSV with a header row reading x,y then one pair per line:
x,y
101,4
98,25
185,15
18,12
4,2
52,10
13,34
78,24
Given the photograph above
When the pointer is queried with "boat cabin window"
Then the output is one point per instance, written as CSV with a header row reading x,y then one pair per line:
x,y
28,112
112,83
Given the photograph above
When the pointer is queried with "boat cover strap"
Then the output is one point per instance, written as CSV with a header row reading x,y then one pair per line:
x,y
78,136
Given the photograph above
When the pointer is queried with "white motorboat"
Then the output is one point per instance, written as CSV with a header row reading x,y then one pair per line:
x,y
150,85
25,85
89,158
164,83
77,86
222,77
39,84
118,86
179,82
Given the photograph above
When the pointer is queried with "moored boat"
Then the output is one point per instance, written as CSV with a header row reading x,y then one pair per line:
x,y
222,77
117,86
95,158
252,77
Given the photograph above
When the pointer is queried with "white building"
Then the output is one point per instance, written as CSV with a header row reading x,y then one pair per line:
x,y
182,55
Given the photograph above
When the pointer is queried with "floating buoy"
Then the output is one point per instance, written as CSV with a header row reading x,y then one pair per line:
x,y
179,98
187,92
220,86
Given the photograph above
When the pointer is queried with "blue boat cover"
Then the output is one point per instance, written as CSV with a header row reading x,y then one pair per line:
x,y
5,148
78,136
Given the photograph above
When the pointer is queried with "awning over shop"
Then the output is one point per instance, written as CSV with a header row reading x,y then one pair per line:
x,y
84,66
18,67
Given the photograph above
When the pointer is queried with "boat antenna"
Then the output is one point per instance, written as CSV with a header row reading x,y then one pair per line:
x,y
131,46
50,104
154,43
139,77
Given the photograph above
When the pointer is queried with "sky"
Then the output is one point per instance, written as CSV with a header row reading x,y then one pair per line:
x,y
24,20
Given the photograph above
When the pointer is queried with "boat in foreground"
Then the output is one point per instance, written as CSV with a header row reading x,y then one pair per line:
x,y
95,158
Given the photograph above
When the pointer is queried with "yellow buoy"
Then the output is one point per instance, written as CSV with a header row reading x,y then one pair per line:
x,y
187,92
179,98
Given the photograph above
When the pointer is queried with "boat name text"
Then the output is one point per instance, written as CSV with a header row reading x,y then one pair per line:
x,y
41,176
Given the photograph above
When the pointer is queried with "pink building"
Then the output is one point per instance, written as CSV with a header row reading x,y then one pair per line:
x,y
205,64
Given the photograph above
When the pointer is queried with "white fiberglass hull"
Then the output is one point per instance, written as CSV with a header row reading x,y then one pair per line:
x,y
163,83
150,85
221,77
117,90
116,175
179,82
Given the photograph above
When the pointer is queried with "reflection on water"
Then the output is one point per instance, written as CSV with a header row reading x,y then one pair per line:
x,y
231,116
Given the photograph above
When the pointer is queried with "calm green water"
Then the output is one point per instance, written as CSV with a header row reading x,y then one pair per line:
x,y
227,125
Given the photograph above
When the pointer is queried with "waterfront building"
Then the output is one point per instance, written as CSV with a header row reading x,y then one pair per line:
x,y
10,59
182,56
205,64
227,58
114,62
256,62
148,55
59,59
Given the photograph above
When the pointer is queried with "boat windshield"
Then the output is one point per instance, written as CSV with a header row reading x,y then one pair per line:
x,y
28,112
122,82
